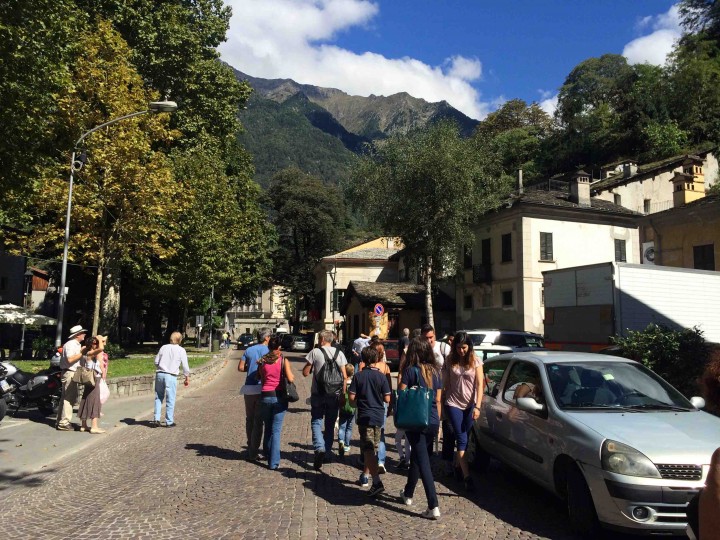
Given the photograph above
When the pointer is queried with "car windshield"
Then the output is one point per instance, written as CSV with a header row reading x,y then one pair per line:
x,y
477,339
621,385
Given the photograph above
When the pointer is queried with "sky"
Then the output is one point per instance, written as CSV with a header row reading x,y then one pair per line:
x,y
474,54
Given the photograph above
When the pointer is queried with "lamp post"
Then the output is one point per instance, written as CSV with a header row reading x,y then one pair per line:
x,y
27,304
333,275
76,163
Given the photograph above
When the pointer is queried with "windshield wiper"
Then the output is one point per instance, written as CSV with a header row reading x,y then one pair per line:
x,y
590,405
658,407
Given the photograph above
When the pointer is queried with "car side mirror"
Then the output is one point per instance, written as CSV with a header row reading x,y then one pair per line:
x,y
530,405
697,402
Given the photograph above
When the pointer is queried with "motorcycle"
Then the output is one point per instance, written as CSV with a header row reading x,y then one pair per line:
x,y
20,389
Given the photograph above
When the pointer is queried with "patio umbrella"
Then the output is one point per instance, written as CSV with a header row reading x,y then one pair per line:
x,y
12,314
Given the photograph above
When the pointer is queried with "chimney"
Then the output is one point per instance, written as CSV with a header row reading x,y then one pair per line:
x,y
629,169
520,183
580,188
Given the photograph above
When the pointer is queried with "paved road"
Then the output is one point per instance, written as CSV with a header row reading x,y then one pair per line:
x,y
190,482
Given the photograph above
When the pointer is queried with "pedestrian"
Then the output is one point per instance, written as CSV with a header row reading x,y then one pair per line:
x,y
271,407
380,364
358,345
422,370
167,368
346,416
402,443
90,407
327,364
370,392
226,339
462,390
72,352
404,340
252,389
441,351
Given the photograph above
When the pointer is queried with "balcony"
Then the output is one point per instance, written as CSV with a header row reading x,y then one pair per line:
x,y
482,273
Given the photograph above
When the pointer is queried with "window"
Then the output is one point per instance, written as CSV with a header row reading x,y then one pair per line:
x,y
617,199
485,251
546,246
467,301
523,374
620,255
467,258
494,372
337,299
646,206
507,298
704,257
506,247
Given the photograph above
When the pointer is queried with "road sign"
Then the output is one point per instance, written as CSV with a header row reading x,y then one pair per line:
x,y
379,310
199,320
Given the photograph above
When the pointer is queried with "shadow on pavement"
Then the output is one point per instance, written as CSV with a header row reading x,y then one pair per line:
x,y
33,415
214,451
134,422
10,479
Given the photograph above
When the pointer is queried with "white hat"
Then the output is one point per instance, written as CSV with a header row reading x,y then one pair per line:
x,y
75,330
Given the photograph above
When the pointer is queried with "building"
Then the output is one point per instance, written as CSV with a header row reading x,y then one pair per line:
x,y
270,308
687,236
535,231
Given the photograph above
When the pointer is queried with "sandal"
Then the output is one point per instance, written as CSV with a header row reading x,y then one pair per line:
x,y
96,431
83,428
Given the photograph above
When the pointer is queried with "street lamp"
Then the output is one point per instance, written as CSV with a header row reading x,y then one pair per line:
x,y
333,275
27,304
76,163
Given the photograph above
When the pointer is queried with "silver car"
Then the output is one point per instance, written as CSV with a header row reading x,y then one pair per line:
x,y
613,439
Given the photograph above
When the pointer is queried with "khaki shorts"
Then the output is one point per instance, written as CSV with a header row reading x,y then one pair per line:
x,y
369,437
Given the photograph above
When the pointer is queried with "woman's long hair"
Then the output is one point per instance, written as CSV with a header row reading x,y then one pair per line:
x,y
380,348
455,359
420,354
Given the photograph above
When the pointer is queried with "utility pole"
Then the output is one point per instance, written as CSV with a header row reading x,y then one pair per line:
x,y
212,297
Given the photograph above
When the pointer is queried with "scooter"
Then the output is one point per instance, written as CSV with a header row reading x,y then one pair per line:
x,y
20,389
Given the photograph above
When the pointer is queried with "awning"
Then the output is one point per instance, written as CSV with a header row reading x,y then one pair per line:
x,y
12,314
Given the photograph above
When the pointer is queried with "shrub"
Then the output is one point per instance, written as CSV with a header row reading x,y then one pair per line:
x,y
114,350
678,356
42,346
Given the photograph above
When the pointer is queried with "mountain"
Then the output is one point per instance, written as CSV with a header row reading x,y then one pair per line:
x,y
320,129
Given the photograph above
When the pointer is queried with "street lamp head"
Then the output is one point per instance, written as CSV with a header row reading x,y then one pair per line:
x,y
162,106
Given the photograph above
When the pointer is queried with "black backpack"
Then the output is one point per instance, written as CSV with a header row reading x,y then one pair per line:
x,y
329,378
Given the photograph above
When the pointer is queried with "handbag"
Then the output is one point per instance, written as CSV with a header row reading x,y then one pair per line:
x,y
287,391
85,376
413,406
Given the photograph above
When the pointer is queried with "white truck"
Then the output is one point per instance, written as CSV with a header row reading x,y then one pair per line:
x,y
585,305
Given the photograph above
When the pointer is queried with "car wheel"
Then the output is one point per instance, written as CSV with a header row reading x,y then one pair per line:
x,y
581,509
479,458
3,408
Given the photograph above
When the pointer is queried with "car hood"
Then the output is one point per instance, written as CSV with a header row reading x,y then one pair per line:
x,y
664,437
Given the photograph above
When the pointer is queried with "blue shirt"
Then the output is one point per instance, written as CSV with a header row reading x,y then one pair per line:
x,y
251,357
370,388
412,377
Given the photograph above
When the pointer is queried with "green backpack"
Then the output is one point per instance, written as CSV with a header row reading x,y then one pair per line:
x,y
346,407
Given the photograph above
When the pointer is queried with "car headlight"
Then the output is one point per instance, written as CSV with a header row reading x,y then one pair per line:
x,y
623,459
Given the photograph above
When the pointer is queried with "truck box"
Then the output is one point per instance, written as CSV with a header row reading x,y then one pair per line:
x,y
585,305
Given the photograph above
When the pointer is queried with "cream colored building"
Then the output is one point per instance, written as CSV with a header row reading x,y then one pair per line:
x,y
538,231
269,308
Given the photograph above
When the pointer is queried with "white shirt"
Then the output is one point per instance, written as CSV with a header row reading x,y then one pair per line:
x,y
169,359
71,348
441,351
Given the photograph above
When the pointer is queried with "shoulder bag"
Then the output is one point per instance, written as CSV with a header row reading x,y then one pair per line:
x,y
287,391
84,375
413,406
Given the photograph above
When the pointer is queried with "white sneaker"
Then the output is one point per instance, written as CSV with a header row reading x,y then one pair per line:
x,y
381,468
406,500
432,513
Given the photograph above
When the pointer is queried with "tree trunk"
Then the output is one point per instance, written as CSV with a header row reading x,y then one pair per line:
x,y
110,315
98,292
428,291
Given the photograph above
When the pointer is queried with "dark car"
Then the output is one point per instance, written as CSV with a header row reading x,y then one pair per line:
x,y
286,341
245,340
392,353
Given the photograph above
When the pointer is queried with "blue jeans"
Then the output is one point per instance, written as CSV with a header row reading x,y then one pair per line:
x,y
420,464
461,422
323,408
165,388
345,428
272,414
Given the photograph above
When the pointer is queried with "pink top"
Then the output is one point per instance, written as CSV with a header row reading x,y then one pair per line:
x,y
271,373
460,385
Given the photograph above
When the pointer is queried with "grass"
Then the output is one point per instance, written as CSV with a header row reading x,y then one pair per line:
x,y
119,367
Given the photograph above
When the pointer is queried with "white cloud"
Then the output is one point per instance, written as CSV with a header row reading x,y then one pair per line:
x,y
549,104
655,47
293,39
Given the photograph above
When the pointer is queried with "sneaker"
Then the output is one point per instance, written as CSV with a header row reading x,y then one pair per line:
x,y
381,468
64,427
318,461
341,449
364,480
171,425
431,513
154,423
376,490
402,465
407,501
327,458
347,450
469,484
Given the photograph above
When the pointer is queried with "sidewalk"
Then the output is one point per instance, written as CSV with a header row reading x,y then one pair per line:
x,y
29,442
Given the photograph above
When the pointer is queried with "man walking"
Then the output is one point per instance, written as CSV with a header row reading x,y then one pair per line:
x,y
167,367
251,390
358,345
440,350
327,364
72,351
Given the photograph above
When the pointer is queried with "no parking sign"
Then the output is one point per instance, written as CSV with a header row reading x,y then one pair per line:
x,y
378,310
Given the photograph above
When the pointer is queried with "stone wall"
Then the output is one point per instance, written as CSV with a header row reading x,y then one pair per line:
x,y
143,385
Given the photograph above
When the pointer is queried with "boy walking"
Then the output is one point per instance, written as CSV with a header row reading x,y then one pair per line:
x,y
369,391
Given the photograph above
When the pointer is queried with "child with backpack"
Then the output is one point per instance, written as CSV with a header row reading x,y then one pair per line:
x,y
347,417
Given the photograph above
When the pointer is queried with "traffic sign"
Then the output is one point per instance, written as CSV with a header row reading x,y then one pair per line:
x,y
379,310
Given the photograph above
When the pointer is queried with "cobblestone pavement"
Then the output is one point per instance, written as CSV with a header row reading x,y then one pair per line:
x,y
190,482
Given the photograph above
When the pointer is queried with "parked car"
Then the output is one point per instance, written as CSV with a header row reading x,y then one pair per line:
x,y
286,341
392,353
509,338
302,343
245,340
619,444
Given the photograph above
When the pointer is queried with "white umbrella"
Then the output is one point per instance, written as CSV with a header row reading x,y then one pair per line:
x,y
12,314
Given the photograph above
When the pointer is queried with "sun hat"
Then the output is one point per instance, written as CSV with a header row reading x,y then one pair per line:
x,y
77,329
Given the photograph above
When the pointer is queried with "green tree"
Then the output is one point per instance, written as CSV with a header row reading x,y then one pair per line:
x,y
311,221
665,140
428,188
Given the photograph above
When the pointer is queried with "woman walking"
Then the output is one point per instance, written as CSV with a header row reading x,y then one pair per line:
x,y
462,388
421,370
272,408
90,406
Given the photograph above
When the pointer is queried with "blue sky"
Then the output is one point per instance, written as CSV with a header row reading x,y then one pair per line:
x,y
475,54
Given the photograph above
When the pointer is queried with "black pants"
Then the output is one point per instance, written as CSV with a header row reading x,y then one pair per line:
x,y
420,464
